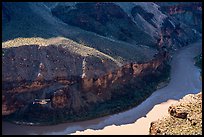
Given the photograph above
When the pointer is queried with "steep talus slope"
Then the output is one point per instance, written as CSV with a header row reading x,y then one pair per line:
x,y
30,23
51,51
106,19
146,15
147,20
185,118
44,24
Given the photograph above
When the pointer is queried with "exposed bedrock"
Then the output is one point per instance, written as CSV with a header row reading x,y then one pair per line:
x,y
28,76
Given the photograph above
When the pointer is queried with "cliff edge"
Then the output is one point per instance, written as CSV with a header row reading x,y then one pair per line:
x,y
185,118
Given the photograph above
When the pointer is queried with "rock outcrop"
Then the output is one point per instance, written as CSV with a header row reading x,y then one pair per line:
x,y
188,13
185,118
60,99
62,78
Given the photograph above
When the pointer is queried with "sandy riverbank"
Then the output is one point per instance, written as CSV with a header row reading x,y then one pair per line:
x,y
138,128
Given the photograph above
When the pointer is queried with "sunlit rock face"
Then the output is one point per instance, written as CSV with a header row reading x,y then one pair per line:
x,y
35,71
31,62
185,118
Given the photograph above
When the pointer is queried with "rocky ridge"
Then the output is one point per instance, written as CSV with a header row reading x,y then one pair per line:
x,y
185,118
73,88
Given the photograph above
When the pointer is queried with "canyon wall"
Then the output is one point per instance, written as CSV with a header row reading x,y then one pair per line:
x,y
183,24
115,49
65,89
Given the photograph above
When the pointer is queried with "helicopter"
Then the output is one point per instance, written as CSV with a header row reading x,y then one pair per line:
x,y
41,101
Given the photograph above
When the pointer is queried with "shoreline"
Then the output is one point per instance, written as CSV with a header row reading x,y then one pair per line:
x,y
136,128
132,115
